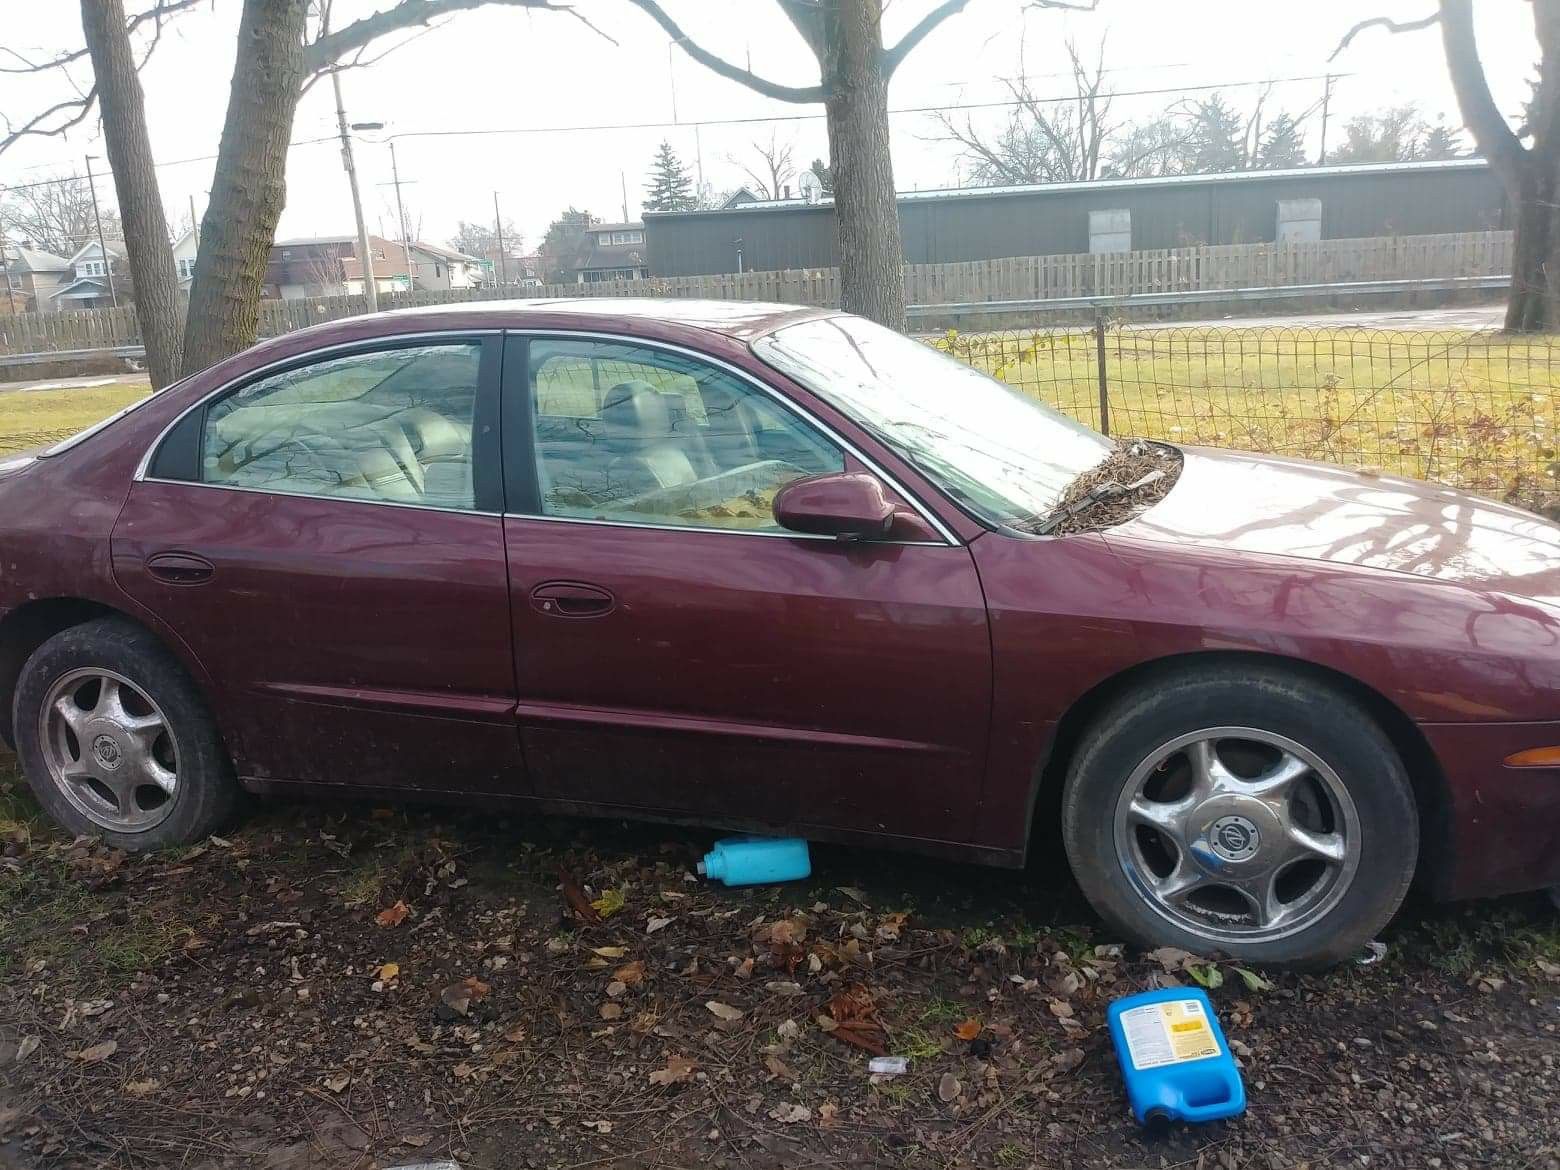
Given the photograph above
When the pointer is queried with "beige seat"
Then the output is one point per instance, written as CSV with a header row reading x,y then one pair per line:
x,y
650,454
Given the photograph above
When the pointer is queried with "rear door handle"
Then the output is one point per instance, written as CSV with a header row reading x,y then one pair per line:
x,y
177,568
571,599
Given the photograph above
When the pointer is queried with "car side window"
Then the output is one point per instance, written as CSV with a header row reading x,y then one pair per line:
x,y
633,434
392,425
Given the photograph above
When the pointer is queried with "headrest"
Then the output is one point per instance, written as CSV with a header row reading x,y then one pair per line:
x,y
636,407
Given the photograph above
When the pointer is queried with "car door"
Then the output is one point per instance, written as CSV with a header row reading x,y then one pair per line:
x,y
675,650
326,538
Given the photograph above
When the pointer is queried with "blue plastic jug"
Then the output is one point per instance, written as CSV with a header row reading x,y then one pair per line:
x,y
1174,1058
751,861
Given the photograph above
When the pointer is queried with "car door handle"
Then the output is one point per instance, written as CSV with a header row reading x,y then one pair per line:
x,y
177,568
570,599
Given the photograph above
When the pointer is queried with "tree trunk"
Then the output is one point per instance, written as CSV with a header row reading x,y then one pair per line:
x,y
872,278
147,246
1534,304
249,187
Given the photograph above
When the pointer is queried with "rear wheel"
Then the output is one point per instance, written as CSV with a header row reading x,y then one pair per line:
x,y
116,742
1241,810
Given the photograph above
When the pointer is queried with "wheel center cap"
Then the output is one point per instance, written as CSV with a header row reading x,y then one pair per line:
x,y
107,751
1234,838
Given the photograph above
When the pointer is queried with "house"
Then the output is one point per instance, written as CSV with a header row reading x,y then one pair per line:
x,y
1107,215
184,249
611,251
96,280
328,266
443,268
33,276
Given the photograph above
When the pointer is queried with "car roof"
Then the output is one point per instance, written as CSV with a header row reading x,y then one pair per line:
x,y
737,319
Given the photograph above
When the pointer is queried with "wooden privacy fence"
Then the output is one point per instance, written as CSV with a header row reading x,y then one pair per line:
x,y
1014,278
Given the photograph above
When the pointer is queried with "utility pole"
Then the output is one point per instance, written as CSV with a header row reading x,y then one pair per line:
x,y
623,182
1326,102
365,253
400,210
194,223
108,261
498,228
5,275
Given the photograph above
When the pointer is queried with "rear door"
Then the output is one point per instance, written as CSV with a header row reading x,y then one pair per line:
x,y
326,539
675,650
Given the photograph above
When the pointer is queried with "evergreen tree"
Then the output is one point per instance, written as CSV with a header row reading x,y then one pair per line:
x,y
1440,142
1282,147
670,187
1218,137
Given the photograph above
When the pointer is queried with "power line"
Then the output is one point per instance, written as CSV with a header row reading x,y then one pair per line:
x,y
758,120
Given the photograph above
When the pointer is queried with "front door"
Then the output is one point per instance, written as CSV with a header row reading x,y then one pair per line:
x,y
327,541
676,651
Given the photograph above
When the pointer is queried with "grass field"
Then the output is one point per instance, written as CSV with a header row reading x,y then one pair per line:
x,y
1472,409
31,418
1476,410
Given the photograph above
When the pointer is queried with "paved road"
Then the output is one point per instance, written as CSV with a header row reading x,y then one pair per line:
x,y
1466,317
78,383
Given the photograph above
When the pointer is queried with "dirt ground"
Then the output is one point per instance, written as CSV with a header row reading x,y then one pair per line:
x,y
351,986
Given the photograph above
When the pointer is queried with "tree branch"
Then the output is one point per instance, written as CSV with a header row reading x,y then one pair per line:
x,y
772,89
1494,136
158,12
329,48
82,107
1386,22
893,58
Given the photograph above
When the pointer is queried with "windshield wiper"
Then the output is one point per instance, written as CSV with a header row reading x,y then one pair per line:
x,y
1109,490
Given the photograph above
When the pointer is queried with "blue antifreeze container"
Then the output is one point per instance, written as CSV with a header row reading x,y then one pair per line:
x,y
751,861
1174,1058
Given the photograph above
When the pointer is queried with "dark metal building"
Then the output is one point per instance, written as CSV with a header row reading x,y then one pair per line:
x,y
1461,195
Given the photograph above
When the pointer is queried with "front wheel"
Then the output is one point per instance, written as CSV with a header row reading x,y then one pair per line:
x,y
116,742
1243,811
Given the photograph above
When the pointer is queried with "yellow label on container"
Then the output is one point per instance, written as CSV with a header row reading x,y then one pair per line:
x,y
1168,1033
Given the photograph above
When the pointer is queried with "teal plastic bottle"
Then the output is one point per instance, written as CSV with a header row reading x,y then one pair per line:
x,y
1174,1058
751,861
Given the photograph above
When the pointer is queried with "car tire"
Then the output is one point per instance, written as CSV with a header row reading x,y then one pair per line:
x,y
1240,810
148,770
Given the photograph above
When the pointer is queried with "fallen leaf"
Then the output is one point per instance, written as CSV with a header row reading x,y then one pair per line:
x,y
853,894
888,929
140,1088
611,1011
968,1030
338,1082
828,1114
575,897
631,974
601,1127
610,902
1255,982
724,1010
778,1068
783,987
515,1035
1061,1009
1207,974
616,989
28,1045
1068,1059
1548,968
416,1140
97,1053
458,997
609,952
393,915
1171,958
790,1113
788,930
656,924
948,1089
389,971
678,1070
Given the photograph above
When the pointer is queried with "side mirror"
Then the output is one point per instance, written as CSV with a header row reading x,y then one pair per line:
x,y
850,505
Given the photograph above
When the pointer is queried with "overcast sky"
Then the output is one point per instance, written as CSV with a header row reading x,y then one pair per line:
x,y
511,70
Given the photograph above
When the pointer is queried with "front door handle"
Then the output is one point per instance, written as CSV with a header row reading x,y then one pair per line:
x,y
178,568
571,599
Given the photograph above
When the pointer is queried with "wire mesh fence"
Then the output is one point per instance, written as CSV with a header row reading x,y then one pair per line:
x,y
1474,409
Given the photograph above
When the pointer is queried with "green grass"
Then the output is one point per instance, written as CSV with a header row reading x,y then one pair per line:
x,y
31,418
1472,409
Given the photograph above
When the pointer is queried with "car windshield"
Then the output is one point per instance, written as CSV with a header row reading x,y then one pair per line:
x,y
1005,457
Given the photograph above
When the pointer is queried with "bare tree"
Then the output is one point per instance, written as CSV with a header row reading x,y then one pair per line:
x,y
147,247
1527,159
774,170
854,69
54,214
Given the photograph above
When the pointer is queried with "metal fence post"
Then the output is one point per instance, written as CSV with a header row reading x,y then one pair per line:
x,y
1099,367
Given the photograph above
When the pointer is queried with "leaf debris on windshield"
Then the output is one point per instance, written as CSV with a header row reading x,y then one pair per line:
x,y
1136,475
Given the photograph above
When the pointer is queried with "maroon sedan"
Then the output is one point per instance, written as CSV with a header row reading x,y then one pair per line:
x,y
781,568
